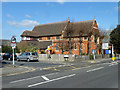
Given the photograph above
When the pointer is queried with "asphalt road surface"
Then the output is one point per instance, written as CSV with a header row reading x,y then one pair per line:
x,y
101,75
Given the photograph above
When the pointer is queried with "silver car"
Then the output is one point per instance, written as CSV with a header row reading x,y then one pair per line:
x,y
28,56
1,58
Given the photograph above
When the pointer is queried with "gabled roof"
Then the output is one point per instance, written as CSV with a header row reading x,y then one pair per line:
x,y
76,27
54,29
40,45
46,29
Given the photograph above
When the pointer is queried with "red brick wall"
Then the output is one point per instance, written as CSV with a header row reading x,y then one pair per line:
x,y
75,51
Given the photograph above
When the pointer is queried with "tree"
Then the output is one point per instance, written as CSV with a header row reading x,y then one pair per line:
x,y
63,45
89,42
8,49
104,36
115,39
69,32
27,47
96,36
80,32
17,50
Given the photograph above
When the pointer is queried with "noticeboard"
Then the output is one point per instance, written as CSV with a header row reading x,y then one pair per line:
x,y
105,46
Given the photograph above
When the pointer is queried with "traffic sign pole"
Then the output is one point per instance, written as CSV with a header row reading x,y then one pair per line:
x,y
13,58
13,44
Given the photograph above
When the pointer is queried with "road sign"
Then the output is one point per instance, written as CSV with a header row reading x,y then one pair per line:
x,y
106,51
13,39
13,45
105,46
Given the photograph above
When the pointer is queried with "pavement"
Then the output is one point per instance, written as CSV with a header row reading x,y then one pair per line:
x,y
93,75
9,70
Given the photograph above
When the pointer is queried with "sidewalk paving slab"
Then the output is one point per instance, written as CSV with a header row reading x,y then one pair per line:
x,y
9,70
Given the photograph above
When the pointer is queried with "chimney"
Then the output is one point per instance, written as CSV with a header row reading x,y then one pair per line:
x,y
94,17
68,19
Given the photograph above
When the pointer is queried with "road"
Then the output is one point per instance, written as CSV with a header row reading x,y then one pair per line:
x,y
100,75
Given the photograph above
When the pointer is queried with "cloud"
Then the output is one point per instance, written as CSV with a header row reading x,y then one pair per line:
x,y
28,16
61,1
23,23
9,16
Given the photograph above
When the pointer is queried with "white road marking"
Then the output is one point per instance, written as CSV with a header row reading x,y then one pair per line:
x,y
51,80
50,74
95,69
25,79
44,77
41,69
31,78
113,64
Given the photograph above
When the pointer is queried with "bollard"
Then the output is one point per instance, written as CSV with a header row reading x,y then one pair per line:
x,y
119,57
113,58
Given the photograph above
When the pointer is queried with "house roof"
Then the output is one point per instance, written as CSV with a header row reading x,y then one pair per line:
x,y
53,29
83,27
5,42
40,45
46,29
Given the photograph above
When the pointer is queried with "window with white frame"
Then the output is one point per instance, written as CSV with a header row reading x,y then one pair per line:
x,y
27,38
23,38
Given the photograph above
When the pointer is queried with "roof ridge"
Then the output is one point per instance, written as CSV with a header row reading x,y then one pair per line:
x,y
84,21
50,23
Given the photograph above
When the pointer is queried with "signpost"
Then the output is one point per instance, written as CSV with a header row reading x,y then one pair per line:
x,y
13,44
113,56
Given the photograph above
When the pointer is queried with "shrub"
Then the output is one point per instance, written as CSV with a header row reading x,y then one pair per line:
x,y
91,57
84,54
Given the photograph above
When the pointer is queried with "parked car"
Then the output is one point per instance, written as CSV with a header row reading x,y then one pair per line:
x,y
28,56
9,56
1,58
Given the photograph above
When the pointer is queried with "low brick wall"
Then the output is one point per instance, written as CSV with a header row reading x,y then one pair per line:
x,y
60,57
54,57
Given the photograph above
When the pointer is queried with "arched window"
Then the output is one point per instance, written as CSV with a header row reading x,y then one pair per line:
x,y
75,46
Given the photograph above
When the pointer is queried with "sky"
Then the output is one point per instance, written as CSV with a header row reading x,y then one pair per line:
x,y
20,16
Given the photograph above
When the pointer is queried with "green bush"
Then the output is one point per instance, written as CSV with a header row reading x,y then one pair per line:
x,y
84,54
8,49
91,57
